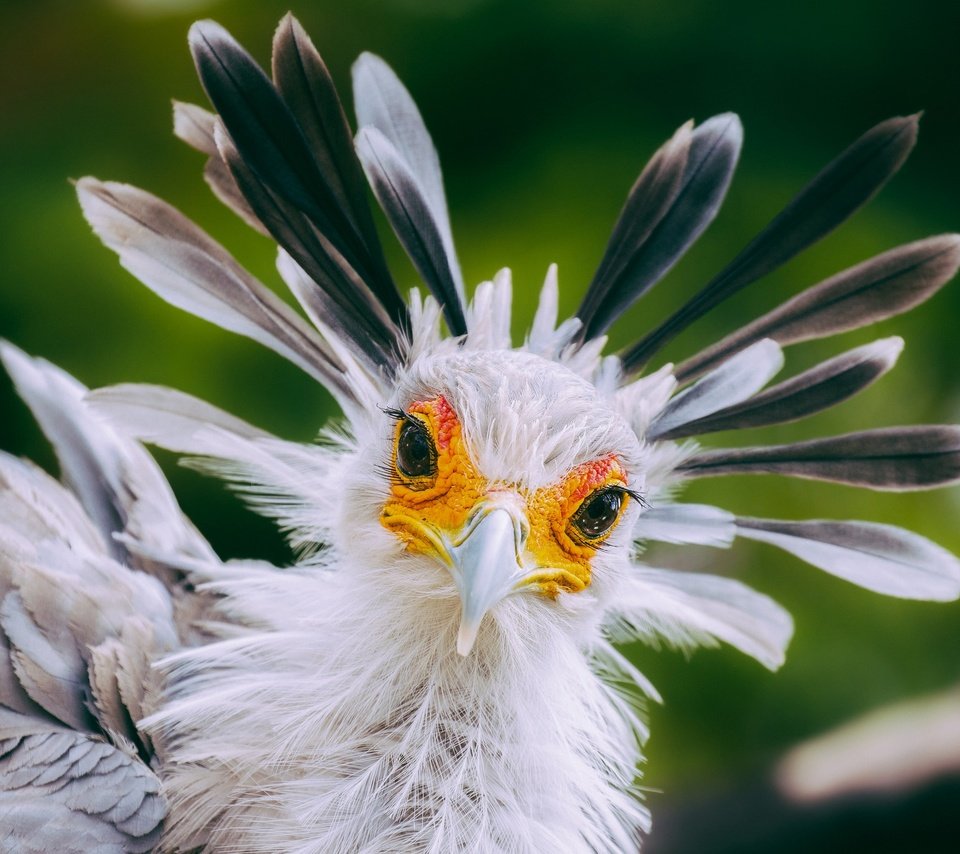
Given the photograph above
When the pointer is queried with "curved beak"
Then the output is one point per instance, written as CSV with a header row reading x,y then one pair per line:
x,y
486,565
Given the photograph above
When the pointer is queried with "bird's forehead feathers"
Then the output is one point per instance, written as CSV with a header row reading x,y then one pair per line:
x,y
526,420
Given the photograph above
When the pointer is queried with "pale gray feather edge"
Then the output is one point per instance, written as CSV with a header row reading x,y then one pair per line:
x,y
874,290
177,260
882,558
194,125
413,221
825,385
728,385
382,101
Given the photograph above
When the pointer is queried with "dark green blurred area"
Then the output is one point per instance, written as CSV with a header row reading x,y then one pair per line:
x,y
543,113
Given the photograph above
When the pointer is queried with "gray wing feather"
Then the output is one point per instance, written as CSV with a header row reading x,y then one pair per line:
x,y
68,792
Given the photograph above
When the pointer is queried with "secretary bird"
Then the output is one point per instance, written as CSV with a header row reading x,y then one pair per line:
x,y
438,672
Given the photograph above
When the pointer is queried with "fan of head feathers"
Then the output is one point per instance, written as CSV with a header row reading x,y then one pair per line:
x,y
438,672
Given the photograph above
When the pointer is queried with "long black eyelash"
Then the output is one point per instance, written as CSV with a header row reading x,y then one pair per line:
x,y
636,496
400,415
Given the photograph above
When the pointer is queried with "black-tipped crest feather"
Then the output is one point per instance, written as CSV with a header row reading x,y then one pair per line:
x,y
673,201
846,184
873,290
823,386
300,199
894,458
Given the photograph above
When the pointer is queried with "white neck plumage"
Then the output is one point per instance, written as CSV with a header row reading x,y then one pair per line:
x,y
399,743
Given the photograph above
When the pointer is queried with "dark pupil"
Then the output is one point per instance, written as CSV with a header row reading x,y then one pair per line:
x,y
599,514
414,452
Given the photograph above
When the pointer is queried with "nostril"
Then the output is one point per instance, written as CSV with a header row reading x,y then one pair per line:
x,y
521,530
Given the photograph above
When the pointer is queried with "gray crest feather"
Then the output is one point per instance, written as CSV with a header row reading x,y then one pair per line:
x,y
881,287
883,558
410,165
305,85
819,388
188,269
692,524
843,186
273,144
673,201
309,200
734,381
355,308
413,221
893,458
195,126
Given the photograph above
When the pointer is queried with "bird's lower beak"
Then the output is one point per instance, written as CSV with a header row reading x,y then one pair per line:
x,y
486,565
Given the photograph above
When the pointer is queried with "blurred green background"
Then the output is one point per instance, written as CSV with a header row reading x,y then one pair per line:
x,y
543,112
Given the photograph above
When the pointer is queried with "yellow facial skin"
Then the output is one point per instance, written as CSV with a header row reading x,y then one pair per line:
x,y
423,511
420,507
554,540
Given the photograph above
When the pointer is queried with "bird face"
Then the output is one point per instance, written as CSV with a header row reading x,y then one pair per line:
x,y
509,471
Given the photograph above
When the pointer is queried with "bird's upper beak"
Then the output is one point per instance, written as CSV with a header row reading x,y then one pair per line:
x,y
486,563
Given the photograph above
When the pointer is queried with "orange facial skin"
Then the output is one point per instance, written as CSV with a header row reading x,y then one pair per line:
x,y
554,541
442,502
422,511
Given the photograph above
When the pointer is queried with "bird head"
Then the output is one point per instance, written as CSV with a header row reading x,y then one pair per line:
x,y
510,475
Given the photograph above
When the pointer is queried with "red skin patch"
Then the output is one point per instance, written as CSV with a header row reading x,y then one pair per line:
x,y
589,476
445,418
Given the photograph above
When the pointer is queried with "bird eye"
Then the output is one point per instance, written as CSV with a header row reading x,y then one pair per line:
x,y
415,453
598,514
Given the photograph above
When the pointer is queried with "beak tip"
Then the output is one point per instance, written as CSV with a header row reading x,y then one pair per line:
x,y
466,638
